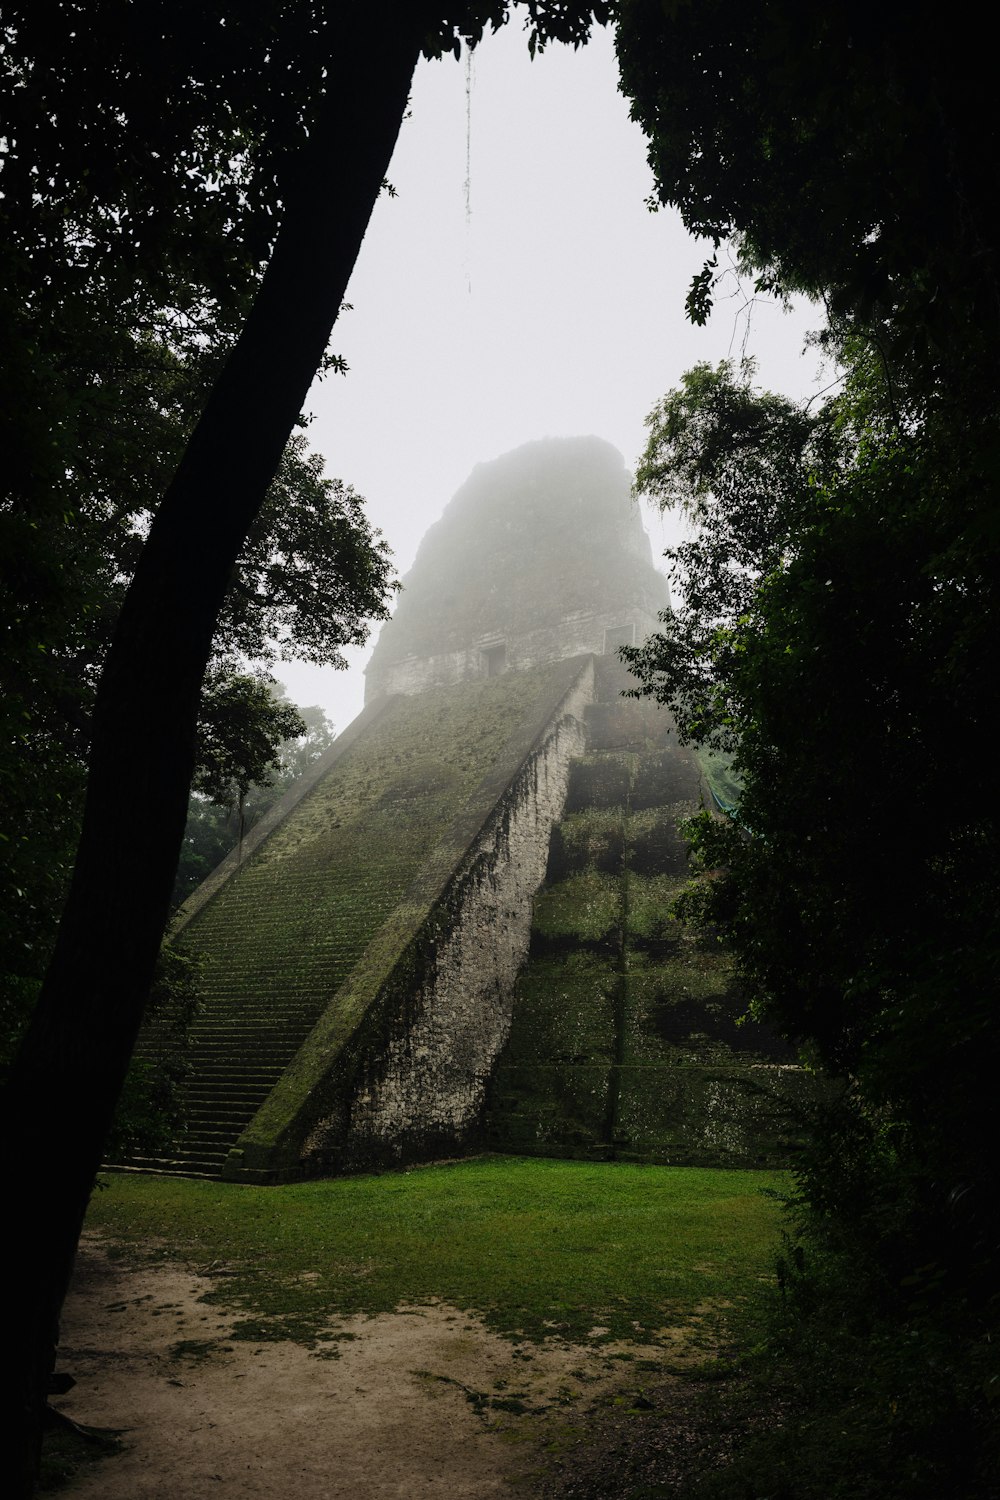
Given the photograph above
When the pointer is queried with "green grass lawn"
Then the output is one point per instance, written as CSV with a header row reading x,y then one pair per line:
x,y
537,1248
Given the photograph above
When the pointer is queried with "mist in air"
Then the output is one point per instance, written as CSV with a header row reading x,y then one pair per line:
x,y
515,287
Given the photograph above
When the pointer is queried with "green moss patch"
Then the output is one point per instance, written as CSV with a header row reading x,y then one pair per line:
x,y
591,839
599,781
587,907
655,844
650,903
700,1115
551,1108
565,1010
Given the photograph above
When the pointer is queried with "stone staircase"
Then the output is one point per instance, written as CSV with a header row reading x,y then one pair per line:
x,y
236,1057
258,1010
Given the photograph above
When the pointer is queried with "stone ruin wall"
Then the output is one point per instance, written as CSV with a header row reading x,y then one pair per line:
x,y
426,1090
577,635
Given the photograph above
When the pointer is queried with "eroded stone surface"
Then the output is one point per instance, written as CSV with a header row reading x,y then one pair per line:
x,y
432,1079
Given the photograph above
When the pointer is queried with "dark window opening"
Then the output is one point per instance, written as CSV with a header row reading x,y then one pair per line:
x,y
618,635
494,660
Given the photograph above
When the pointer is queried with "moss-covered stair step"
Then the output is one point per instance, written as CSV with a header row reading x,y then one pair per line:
x,y
226,1112
235,1032
220,1104
227,1099
218,1067
180,1164
235,1093
259,1056
287,1031
244,1071
242,1055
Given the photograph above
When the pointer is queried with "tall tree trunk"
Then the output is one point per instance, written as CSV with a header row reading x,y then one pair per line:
x,y
61,1097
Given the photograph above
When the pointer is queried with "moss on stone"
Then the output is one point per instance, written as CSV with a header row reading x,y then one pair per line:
x,y
565,1009
593,838
617,983
650,906
587,907
556,1107
655,843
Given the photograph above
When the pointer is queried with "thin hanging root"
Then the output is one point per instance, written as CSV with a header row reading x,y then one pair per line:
x,y
468,165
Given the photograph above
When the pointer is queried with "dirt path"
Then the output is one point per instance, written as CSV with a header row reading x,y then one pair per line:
x,y
425,1401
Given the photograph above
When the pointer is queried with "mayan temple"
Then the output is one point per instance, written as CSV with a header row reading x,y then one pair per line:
x,y
454,933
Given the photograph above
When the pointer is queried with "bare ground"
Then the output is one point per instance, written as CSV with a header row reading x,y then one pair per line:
x,y
425,1401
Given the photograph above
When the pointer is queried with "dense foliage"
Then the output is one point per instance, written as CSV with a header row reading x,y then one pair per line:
x,y
124,283
815,637
225,806
847,148
311,576
840,632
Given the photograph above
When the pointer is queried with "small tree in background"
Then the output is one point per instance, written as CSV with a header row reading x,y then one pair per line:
x,y
224,807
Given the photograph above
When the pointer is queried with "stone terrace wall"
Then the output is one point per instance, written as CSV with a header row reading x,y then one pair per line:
x,y
582,632
627,1041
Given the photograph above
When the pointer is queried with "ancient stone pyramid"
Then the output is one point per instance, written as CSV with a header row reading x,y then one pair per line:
x,y
381,984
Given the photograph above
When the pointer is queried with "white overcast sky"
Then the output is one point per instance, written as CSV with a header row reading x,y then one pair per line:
x,y
551,304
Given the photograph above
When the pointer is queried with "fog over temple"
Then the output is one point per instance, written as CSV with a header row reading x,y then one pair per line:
x,y
455,930
541,555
